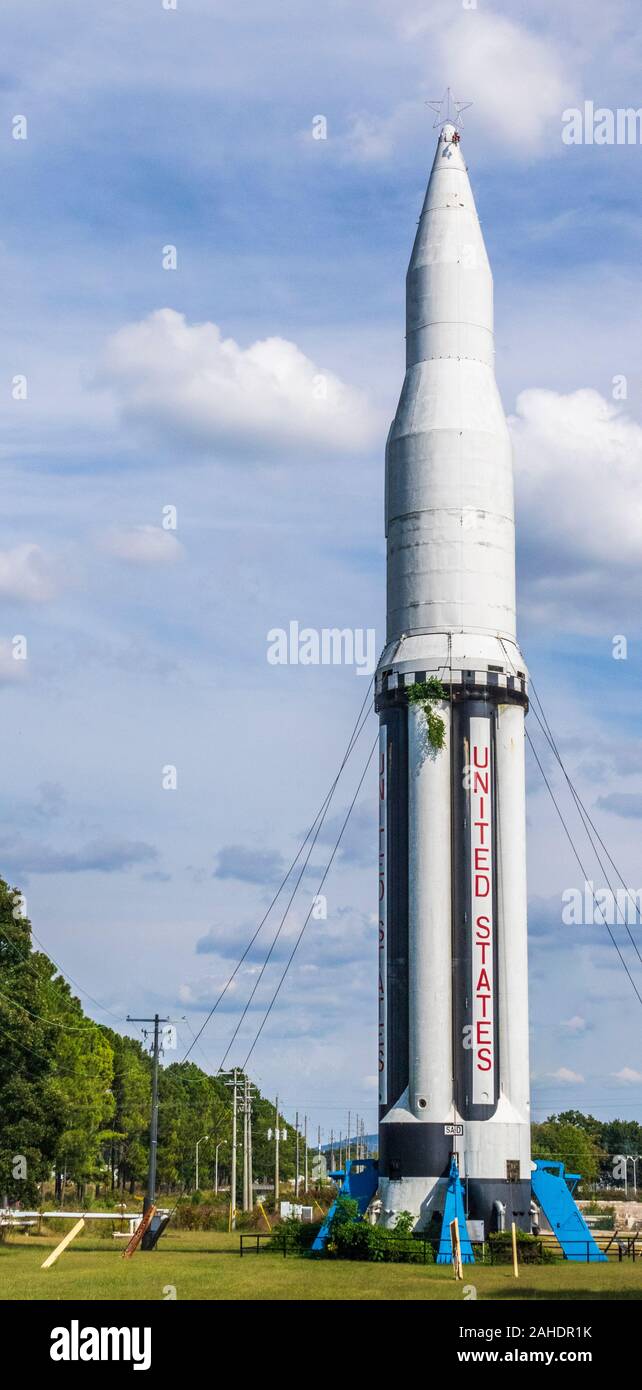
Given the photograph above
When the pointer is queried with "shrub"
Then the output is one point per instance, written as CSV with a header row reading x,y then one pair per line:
x,y
308,1232
352,1238
202,1217
293,1235
595,1208
346,1212
530,1249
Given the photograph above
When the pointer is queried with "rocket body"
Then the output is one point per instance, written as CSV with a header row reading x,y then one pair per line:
x,y
453,990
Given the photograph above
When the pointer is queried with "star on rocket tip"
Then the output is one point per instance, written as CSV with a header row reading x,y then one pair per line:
x,y
452,108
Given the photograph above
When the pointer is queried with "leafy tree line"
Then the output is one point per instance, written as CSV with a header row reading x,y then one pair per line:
x,y
75,1100
75,1095
589,1146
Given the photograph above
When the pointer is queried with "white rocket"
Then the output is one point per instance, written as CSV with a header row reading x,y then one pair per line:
x,y
453,987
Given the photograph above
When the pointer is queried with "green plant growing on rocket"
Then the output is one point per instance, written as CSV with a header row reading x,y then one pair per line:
x,y
425,694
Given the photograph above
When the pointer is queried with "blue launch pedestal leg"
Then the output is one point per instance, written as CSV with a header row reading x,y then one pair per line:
x,y
550,1184
454,1207
360,1181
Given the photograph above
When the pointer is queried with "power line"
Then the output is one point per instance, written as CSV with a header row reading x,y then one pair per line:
x,y
26,962
207,1060
572,844
356,731
585,817
280,927
50,1022
42,1057
583,871
309,914
50,1058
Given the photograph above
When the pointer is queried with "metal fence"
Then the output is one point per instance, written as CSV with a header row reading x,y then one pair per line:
x,y
414,1249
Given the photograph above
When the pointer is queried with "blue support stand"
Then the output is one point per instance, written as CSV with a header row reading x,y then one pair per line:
x,y
360,1180
553,1188
454,1207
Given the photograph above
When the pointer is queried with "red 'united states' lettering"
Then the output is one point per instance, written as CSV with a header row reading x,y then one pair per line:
x,y
482,920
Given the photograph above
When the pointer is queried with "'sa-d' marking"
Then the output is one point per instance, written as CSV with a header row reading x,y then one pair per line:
x,y
482,913
383,906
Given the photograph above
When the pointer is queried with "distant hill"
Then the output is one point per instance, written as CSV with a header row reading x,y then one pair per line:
x,y
371,1142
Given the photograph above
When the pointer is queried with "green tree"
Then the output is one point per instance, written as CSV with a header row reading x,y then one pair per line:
x,y
31,1109
586,1122
191,1105
75,1096
576,1149
84,1074
126,1147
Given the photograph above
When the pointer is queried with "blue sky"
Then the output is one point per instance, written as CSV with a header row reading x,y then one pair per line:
x,y
190,388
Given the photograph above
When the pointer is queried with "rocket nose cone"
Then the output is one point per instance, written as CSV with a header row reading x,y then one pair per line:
x,y
448,154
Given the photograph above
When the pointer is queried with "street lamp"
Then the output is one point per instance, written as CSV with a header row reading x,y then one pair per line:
x,y
199,1141
221,1141
634,1161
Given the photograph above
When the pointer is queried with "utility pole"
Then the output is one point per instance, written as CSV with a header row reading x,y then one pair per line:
x,y
232,1080
332,1149
277,1135
234,1143
349,1148
248,1183
198,1145
296,1174
250,1173
220,1145
150,1195
245,1165
305,1150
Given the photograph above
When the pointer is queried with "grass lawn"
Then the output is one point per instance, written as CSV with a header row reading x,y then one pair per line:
x,y
206,1266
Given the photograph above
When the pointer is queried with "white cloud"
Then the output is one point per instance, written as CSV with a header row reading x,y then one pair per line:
x,y
518,81
186,379
515,78
373,138
567,1076
144,545
576,1024
628,1076
578,472
25,574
